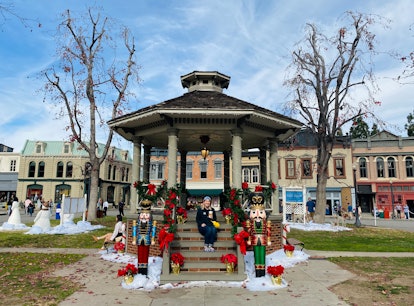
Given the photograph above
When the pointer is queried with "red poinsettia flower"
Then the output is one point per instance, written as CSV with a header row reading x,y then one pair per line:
x,y
182,212
288,247
258,188
119,246
275,270
229,258
135,184
273,186
177,258
130,269
226,211
245,185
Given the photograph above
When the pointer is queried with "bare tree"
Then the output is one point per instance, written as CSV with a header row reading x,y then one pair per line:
x,y
326,71
90,85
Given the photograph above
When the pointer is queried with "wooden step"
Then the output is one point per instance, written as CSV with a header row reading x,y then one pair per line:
x,y
203,276
200,265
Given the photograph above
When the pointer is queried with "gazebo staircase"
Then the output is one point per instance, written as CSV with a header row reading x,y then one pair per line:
x,y
200,265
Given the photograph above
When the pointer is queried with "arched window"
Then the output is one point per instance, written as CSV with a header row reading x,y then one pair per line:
x,y
255,175
363,167
127,174
391,167
246,175
122,174
380,167
41,169
69,169
32,169
109,172
114,174
59,170
409,167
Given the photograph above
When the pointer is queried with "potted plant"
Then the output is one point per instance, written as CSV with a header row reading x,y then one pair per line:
x,y
289,249
177,261
230,260
227,214
128,273
276,274
181,215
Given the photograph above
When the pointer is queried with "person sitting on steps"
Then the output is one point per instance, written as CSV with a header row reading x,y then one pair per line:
x,y
117,235
205,215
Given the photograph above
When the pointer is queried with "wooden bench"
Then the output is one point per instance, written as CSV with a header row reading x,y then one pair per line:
x,y
295,242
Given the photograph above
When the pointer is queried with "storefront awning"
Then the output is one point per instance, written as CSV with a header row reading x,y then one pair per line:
x,y
204,192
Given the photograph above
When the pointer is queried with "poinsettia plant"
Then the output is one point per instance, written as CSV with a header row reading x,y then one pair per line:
x,y
226,211
229,258
275,270
182,212
130,269
177,258
288,247
119,246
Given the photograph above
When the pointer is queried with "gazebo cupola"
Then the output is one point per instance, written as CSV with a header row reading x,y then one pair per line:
x,y
205,81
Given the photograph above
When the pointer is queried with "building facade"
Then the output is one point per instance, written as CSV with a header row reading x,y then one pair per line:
x,y
9,169
51,169
384,171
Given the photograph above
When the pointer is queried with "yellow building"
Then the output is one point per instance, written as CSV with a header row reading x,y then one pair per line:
x,y
49,169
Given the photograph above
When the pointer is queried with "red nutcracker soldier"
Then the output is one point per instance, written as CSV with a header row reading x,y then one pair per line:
x,y
259,232
143,235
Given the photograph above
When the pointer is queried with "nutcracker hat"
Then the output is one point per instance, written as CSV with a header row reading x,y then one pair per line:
x,y
256,200
146,205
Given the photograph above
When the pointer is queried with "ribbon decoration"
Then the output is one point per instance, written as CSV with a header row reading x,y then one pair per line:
x,y
151,189
240,239
164,238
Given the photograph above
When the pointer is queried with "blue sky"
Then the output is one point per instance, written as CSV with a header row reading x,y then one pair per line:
x,y
250,41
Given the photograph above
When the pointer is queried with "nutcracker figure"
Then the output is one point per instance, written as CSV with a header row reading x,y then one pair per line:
x,y
259,232
143,235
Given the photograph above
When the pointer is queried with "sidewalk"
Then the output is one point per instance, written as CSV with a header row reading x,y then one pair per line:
x,y
308,283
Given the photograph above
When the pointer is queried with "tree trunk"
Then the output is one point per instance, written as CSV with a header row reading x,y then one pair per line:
x,y
94,192
320,199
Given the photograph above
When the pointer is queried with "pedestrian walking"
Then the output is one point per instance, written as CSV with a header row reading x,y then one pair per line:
x,y
121,208
406,211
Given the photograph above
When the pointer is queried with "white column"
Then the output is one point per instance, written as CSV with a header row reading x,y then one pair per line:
x,y
274,174
237,157
172,158
135,176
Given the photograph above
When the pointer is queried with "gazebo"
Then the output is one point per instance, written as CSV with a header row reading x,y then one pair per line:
x,y
205,117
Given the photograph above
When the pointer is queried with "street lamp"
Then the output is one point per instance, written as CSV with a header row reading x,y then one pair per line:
x,y
392,200
357,221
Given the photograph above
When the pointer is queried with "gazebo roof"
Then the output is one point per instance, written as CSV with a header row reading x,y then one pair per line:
x,y
205,112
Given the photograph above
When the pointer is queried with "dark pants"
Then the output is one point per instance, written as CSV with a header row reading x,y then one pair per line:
x,y
209,233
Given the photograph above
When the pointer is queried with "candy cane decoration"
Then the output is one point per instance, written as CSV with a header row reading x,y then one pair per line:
x,y
286,229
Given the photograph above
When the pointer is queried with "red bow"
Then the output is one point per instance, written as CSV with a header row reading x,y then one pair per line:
x,y
164,238
152,189
240,239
